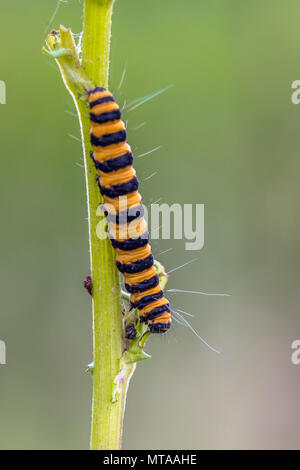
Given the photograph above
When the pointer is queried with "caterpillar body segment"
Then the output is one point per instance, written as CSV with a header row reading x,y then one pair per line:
x,y
124,211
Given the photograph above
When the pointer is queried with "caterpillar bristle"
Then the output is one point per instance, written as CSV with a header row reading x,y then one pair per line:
x,y
118,185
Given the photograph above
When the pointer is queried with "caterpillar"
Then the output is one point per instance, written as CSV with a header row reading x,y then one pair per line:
x,y
123,207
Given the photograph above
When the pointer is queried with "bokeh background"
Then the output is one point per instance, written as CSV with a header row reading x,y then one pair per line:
x,y
230,138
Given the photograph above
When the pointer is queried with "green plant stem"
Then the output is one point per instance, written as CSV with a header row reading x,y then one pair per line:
x,y
96,39
111,373
107,417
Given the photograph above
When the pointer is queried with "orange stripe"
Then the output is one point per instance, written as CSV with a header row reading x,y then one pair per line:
x,y
96,95
124,202
134,229
132,279
140,253
103,108
139,295
98,130
157,303
163,318
112,151
116,177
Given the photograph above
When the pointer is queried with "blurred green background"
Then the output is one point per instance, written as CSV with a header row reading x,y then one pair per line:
x,y
230,139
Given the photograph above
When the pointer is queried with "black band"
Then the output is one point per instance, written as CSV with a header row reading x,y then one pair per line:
x,y
108,139
131,243
148,299
124,217
160,327
105,99
120,189
137,266
156,312
142,286
106,117
114,164
98,88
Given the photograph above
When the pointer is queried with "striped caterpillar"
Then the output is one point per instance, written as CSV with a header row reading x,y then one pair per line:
x,y
123,207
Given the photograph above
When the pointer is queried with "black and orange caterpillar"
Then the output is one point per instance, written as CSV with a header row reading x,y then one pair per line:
x,y
123,204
